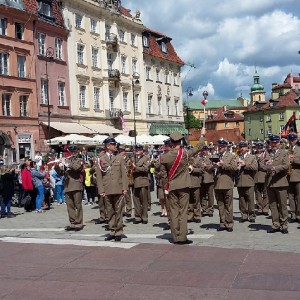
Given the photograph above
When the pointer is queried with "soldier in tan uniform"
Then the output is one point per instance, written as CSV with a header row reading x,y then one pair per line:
x,y
277,185
260,181
140,166
175,163
294,178
207,185
224,185
195,170
247,167
73,188
112,183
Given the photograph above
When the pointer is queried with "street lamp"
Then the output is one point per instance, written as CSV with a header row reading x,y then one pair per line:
x,y
49,58
189,93
135,80
205,95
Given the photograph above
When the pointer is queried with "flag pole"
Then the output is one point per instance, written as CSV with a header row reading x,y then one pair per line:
x,y
204,101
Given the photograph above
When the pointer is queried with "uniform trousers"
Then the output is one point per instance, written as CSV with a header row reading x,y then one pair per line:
x,y
177,203
194,209
115,207
102,208
278,206
74,206
261,197
128,201
207,205
140,201
246,202
294,200
225,203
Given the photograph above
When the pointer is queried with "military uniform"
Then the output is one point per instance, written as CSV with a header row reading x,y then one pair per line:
x,y
260,187
224,188
277,186
112,183
73,188
179,185
141,188
128,196
245,185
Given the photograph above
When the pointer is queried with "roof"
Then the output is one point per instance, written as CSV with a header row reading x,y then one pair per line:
x,y
220,115
32,7
154,48
163,128
124,11
286,100
215,104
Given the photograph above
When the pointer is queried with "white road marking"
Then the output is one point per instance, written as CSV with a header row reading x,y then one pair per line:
x,y
84,243
32,229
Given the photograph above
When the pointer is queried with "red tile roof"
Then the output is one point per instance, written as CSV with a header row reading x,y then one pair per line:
x,y
124,11
31,7
220,116
284,85
154,48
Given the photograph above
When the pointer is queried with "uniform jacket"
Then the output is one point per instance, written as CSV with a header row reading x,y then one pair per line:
x,y
159,173
111,175
196,177
181,179
295,165
280,162
208,172
247,172
224,176
141,171
260,175
73,176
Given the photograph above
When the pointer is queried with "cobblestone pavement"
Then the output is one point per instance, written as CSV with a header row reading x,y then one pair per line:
x,y
50,225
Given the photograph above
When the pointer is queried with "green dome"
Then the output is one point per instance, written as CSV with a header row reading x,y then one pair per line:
x,y
257,87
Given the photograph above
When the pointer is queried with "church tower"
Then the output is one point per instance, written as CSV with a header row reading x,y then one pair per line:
x,y
257,93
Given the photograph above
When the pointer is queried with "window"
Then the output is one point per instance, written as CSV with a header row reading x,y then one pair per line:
x,y
249,131
281,127
93,25
61,93
107,31
237,124
58,48
269,130
249,120
163,47
268,118
45,9
96,98
3,25
109,61
78,21
261,119
136,102
175,79
3,63
23,106
80,54
132,39
145,41
19,30
21,65
176,107
82,90
226,124
168,107
148,73
281,116
95,57
157,75
167,77
122,35
159,105
6,104
125,101
44,91
134,65
41,43
150,104
111,100
123,64
261,131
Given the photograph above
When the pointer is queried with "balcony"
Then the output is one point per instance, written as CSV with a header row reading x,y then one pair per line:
x,y
111,40
113,114
114,75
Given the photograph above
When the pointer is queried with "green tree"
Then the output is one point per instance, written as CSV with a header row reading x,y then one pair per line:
x,y
191,121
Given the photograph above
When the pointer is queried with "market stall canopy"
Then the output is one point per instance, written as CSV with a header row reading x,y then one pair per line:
x,y
125,139
66,127
99,138
72,139
159,139
144,139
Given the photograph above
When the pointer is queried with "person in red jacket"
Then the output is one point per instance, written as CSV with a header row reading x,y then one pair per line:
x,y
27,184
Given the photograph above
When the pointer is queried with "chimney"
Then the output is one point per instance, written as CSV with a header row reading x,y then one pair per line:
x,y
224,108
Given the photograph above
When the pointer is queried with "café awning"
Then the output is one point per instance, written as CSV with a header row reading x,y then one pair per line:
x,y
166,128
68,127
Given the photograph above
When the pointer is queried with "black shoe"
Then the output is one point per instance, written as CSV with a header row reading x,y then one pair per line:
x,y
284,231
197,221
128,215
292,220
109,238
273,230
252,220
167,227
99,222
145,222
69,228
78,228
118,238
137,222
243,220
230,229
186,242
221,229
265,213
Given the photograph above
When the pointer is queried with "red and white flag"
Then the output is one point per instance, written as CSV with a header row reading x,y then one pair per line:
x,y
204,101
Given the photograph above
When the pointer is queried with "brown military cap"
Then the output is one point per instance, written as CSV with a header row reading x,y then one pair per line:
x,y
176,137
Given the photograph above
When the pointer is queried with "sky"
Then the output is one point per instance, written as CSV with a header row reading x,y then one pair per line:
x,y
226,40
